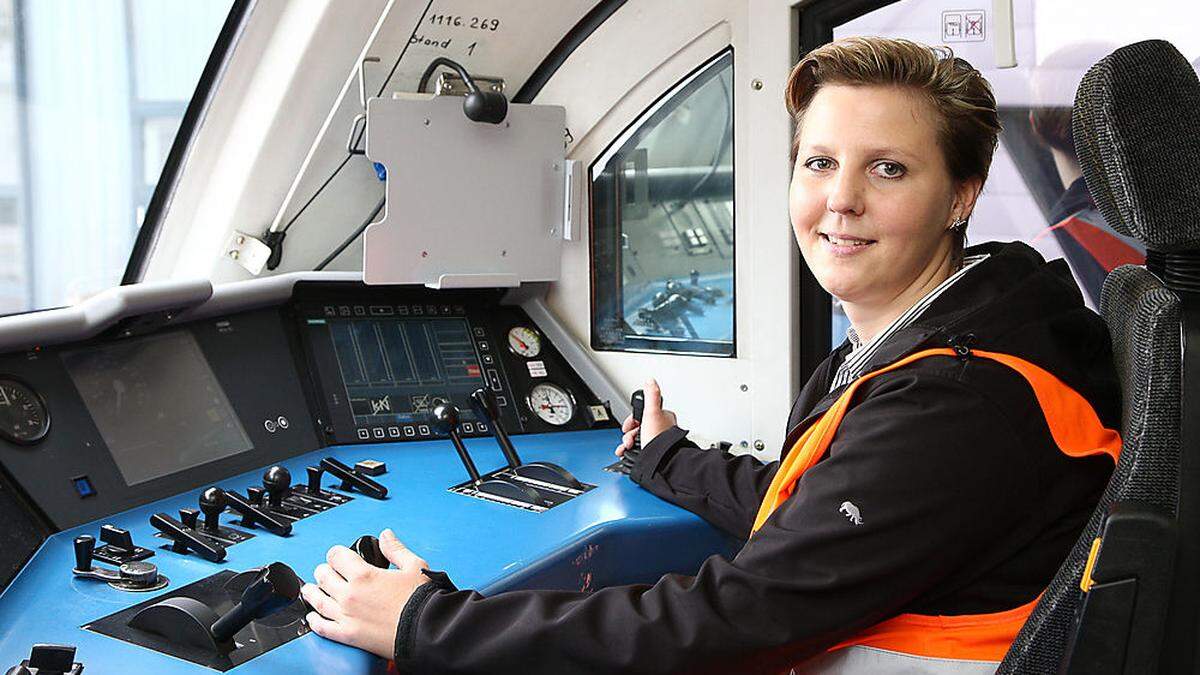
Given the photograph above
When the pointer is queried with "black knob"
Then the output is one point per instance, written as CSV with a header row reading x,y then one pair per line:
x,y
367,547
445,418
189,517
275,588
84,545
278,482
254,495
212,503
314,479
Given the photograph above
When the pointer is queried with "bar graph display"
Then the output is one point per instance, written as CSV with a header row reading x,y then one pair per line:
x,y
394,370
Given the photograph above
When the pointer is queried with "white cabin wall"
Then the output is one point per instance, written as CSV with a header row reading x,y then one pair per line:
x,y
630,60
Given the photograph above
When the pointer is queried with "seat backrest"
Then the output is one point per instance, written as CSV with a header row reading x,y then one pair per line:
x,y
1138,144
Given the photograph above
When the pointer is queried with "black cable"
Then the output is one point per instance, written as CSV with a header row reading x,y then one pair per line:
x,y
395,65
354,235
456,66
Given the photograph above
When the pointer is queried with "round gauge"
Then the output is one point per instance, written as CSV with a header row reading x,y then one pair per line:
x,y
553,404
524,341
24,417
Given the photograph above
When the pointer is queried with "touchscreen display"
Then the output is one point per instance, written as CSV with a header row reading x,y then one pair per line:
x,y
394,370
157,404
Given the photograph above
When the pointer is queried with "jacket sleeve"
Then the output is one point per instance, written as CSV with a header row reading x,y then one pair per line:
x,y
934,473
722,488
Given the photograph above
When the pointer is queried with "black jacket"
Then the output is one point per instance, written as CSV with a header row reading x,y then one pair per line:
x,y
967,507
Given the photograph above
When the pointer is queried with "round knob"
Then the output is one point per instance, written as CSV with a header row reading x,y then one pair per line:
x,y
277,478
139,574
445,417
278,481
212,503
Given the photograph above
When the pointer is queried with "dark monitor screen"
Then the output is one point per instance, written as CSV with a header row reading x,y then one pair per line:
x,y
157,404
394,369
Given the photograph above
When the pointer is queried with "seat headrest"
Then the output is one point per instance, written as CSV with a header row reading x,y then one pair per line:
x,y
1137,133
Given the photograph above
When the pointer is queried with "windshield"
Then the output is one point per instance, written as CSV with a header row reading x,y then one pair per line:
x,y
91,97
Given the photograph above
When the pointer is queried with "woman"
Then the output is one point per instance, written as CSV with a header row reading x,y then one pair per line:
x,y
938,465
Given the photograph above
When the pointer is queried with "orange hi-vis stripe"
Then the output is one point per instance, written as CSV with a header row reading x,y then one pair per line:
x,y
1076,430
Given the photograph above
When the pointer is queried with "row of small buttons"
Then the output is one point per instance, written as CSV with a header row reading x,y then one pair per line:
x,y
410,431
393,310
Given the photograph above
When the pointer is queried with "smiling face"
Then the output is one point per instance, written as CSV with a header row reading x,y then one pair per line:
x,y
871,198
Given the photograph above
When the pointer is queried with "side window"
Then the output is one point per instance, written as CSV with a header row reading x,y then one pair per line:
x,y
662,223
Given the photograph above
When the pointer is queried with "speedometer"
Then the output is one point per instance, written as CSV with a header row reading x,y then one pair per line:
x,y
24,418
553,404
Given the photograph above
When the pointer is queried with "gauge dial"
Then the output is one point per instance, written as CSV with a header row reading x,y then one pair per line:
x,y
524,341
553,404
24,417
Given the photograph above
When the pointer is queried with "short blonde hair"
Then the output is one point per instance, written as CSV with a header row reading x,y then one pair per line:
x,y
968,126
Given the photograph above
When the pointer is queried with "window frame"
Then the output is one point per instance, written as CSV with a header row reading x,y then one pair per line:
x,y
648,117
214,68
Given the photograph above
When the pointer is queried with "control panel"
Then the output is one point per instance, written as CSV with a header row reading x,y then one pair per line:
x,y
167,488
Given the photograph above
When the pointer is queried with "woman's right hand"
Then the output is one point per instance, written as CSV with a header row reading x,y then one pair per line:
x,y
655,420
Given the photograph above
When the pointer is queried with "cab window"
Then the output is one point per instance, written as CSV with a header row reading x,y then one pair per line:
x,y
663,223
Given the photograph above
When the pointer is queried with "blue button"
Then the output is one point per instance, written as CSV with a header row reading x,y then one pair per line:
x,y
83,485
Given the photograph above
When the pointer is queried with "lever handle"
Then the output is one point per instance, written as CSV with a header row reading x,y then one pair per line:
x,y
252,515
367,547
189,517
84,545
445,417
638,402
314,480
117,538
275,588
185,538
484,404
352,479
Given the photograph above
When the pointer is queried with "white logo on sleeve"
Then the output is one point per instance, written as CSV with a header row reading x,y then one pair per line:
x,y
851,511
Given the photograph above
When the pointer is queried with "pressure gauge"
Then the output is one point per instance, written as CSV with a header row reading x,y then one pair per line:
x,y
525,342
24,418
553,404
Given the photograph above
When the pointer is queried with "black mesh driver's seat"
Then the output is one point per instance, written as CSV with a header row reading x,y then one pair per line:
x,y
1137,130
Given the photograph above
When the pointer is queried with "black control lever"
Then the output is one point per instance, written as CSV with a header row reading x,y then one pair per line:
x,y
445,420
278,483
47,659
185,538
253,515
187,621
352,479
275,588
367,548
484,404
638,403
212,503
130,576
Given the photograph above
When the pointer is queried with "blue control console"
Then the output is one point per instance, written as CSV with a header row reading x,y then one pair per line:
x,y
614,533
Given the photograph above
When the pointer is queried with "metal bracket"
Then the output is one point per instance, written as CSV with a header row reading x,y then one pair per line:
x,y
248,251
575,202
450,84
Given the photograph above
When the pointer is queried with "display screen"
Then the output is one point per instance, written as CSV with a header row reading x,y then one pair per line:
x,y
394,369
157,404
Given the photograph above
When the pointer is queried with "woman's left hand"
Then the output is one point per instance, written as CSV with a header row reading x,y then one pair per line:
x,y
359,604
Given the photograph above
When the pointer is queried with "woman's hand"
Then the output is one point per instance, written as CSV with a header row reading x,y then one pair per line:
x,y
655,420
359,604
